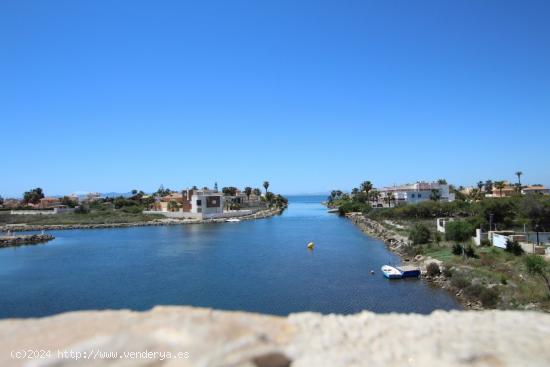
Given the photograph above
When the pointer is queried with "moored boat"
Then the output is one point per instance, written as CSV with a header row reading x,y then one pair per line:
x,y
233,220
408,271
391,273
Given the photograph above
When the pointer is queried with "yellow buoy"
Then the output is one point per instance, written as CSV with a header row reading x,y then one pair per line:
x,y
310,245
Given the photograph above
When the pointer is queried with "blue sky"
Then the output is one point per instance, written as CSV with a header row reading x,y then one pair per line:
x,y
310,95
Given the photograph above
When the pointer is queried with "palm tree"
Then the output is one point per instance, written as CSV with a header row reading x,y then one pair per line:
x,y
257,192
488,186
499,185
374,196
480,185
366,186
389,198
519,173
248,192
266,186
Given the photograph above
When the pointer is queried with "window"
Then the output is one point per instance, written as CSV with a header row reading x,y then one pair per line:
x,y
419,196
199,202
412,195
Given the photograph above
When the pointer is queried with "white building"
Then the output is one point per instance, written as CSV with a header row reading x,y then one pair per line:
x,y
207,202
416,193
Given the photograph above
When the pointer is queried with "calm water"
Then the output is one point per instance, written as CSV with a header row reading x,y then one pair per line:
x,y
261,266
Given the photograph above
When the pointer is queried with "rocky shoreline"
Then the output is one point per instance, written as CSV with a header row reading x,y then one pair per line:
x,y
397,244
157,222
21,240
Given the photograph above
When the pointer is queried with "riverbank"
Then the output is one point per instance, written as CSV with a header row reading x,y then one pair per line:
x,y
20,227
398,244
205,337
21,240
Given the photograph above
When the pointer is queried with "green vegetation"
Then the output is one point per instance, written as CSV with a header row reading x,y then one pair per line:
x,y
419,234
109,216
459,231
537,266
433,269
514,247
501,278
33,196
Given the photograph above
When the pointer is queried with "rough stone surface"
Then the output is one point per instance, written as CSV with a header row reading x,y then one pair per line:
x,y
220,338
20,240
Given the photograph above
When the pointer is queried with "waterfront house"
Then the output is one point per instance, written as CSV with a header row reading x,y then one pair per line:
x,y
535,189
416,193
189,203
49,203
12,203
507,191
207,202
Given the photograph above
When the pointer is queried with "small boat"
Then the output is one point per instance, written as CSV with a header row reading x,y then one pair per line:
x,y
233,220
409,271
310,245
391,273
333,210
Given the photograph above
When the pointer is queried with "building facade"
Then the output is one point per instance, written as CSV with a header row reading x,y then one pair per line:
x,y
415,193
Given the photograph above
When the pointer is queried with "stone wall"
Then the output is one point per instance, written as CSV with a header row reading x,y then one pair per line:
x,y
220,338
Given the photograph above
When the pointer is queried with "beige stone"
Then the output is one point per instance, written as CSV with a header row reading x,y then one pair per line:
x,y
221,338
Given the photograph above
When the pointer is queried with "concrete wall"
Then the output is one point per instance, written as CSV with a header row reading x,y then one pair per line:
x,y
480,236
42,212
442,223
191,215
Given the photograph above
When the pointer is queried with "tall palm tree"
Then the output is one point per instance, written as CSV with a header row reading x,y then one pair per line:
x,y
389,198
480,185
266,186
366,186
248,192
519,173
499,185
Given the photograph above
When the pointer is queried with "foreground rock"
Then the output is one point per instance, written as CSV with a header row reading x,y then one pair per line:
x,y
204,337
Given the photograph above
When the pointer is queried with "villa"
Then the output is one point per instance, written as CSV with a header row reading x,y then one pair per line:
x,y
417,192
200,204
535,189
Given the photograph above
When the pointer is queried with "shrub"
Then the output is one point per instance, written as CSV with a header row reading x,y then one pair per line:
x,y
447,272
460,281
514,247
458,230
132,209
457,249
419,234
82,209
470,252
503,279
433,269
474,290
489,297
352,206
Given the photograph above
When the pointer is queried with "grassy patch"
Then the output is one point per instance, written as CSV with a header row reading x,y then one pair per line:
x,y
94,217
